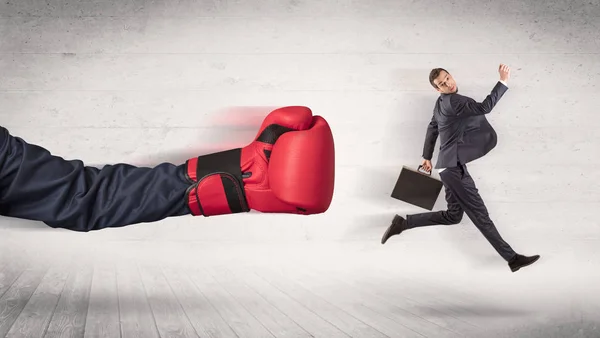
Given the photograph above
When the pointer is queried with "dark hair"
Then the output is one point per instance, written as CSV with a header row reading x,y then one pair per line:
x,y
434,74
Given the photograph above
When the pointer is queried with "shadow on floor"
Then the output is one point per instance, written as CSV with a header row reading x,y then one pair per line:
x,y
551,328
474,310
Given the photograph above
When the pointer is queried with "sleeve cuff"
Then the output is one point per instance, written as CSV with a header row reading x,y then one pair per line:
x,y
504,83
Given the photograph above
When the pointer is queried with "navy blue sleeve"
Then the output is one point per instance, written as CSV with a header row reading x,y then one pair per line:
x,y
36,185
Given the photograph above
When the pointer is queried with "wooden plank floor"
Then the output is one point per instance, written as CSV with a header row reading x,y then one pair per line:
x,y
297,299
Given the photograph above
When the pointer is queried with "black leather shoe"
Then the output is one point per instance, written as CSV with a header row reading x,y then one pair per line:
x,y
398,225
521,261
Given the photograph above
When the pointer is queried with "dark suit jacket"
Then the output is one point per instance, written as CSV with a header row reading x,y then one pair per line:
x,y
465,134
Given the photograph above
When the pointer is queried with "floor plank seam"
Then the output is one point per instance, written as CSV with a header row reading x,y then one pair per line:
x,y
47,326
147,301
239,304
160,268
192,280
273,305
317,296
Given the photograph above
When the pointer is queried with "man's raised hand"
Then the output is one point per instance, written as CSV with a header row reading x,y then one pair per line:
x,y
504,71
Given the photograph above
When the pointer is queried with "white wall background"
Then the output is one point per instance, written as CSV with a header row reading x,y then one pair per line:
x,y
145,82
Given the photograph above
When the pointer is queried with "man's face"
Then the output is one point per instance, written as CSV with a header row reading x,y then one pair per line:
x,y
445,83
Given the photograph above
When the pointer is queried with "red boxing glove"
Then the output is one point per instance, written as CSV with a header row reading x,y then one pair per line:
x,y
288,168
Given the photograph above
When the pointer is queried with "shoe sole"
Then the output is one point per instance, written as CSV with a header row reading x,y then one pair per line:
x,y
385,235
522,266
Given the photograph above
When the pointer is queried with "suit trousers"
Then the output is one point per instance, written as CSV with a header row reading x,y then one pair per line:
x,y
36,185
462,196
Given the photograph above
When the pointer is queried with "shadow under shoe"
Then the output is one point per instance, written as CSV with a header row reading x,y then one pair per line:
x,y
520,261
398,225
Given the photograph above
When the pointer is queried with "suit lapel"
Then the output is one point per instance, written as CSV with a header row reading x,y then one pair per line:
x,y
446,107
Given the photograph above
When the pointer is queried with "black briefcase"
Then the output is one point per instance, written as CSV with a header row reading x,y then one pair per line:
x,y
417,188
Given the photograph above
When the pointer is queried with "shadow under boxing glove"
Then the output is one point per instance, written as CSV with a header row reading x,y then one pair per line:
x,y
288,168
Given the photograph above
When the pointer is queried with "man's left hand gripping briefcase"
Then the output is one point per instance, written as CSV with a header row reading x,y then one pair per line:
x,y
417,188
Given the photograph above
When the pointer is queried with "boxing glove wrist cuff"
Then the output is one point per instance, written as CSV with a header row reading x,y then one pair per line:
x,y
217,184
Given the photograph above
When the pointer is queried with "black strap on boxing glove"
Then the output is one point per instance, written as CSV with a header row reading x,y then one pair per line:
x,y
217,184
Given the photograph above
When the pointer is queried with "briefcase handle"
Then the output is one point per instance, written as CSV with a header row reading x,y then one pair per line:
x,y
426,172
